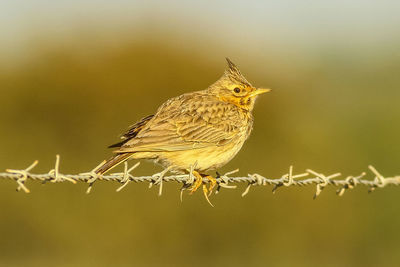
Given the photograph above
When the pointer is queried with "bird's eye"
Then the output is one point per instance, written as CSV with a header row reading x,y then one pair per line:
x,y
236,90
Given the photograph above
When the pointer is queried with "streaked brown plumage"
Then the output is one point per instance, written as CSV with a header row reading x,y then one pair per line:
x,y
206,127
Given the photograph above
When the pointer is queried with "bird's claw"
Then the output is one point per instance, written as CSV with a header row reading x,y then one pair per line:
x,y
199,181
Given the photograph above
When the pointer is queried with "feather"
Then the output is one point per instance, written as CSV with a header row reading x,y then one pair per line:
x,y
113,162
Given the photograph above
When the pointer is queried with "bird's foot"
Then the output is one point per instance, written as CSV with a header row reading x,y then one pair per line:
x,y
199,181
206,194
213,183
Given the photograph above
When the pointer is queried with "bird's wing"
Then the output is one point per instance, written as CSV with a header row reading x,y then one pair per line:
x,y
133,131
196,123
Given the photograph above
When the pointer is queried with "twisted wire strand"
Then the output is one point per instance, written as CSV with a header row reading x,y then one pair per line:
x,y
309,177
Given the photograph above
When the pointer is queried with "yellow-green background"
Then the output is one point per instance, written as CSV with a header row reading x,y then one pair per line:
x,y
74,76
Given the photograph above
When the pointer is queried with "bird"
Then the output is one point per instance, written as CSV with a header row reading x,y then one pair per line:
x,y
195,132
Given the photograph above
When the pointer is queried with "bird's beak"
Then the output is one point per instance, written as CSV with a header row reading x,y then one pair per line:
x,y
259,91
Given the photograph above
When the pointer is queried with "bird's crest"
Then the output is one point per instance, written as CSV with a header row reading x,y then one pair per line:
x,y
234,73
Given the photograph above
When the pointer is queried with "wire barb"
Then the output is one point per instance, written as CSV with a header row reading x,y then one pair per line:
x,y
310,177
126,175
23,175
57,177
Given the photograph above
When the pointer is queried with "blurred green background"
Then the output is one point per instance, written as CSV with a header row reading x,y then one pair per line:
x,y
76,74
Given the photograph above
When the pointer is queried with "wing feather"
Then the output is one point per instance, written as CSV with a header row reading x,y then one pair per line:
x,y
133,131
183,125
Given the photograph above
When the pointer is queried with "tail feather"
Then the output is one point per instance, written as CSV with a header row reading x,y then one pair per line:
x,y
113,162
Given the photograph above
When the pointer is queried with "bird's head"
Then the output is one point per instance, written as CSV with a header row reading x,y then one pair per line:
x,y
233,88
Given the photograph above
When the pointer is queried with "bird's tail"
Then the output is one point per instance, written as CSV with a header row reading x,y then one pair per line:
x,y
112,163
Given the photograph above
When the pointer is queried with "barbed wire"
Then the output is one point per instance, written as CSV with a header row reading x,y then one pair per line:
x,y
309,177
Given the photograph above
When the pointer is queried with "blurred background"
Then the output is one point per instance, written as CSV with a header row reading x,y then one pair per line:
x,y
76,74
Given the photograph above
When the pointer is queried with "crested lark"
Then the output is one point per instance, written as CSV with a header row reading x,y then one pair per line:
x,y
203,129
